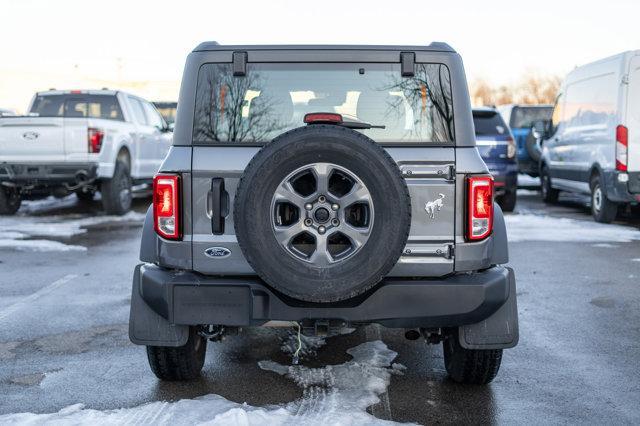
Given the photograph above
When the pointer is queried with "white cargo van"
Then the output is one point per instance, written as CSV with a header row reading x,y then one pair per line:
x,y
592,144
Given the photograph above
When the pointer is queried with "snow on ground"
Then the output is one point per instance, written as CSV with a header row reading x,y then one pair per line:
x,y
529,227
308,344
528,192
35,233
526,180
334,395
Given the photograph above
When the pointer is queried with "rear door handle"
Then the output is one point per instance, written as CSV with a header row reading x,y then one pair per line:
x,y
219,205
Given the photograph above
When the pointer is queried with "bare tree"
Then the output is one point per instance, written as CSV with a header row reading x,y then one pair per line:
x,y
431,88
531,89
222,100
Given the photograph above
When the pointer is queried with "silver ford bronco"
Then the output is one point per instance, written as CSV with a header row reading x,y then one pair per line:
x,y
324,187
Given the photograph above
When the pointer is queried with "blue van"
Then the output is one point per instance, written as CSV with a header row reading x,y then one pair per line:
x,y
520,119
498,150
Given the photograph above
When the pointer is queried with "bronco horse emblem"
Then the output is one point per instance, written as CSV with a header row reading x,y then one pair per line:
x,y
434,206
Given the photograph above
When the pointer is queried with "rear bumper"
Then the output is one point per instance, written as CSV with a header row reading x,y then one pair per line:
x,y
623,191
187,298
47,174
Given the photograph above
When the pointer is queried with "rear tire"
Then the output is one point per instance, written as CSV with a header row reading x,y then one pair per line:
x,y
116,192
470,366
507,201
533,149
602,209
9,201
179,363
549,194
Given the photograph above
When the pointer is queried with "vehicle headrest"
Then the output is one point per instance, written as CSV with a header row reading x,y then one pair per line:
x,y
381,108
278,106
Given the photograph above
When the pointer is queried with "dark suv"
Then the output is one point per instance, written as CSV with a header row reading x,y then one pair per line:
x,y
497,148
324,187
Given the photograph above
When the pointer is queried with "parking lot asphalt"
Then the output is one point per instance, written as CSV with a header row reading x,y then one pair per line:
x,y
64,313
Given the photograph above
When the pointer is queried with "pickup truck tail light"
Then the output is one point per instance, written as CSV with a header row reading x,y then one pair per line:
x,y
166,206
479,207
95,138
622,146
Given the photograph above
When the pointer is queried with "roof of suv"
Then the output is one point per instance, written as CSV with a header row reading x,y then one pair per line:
x,y
213,45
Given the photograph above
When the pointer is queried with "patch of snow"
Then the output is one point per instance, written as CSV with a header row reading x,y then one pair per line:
x,y
16,231
528,227
636,259
38,245
64,226
528,192
604,245
309,344
31,206
526,180
335,395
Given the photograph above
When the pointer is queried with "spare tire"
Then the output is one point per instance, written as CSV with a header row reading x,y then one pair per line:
x,y
322,213
533,148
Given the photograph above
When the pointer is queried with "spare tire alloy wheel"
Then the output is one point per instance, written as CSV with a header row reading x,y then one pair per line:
x,y
322,213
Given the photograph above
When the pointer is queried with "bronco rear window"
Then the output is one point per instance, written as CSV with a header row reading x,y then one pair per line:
x,y
274,98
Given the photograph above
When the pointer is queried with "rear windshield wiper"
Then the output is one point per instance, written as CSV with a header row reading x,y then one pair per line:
x,y
334,118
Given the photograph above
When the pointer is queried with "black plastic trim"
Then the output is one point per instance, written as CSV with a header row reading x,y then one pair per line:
x,y
239,64
217,206
188,298
407,64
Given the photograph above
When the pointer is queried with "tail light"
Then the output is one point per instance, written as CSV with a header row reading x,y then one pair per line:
x,y
622,144
511,148
323,117
166,206
479,207
95,138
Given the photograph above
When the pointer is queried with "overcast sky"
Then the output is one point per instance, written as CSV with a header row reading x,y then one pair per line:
x,y
142,45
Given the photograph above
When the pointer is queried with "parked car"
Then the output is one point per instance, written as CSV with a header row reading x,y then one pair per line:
x,y
521,119
592,145
167,110
323,187
497,148
81,141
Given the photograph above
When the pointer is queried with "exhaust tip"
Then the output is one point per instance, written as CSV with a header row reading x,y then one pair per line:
x,y
82,176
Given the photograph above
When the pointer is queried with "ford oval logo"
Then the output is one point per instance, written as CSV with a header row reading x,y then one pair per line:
x,y
30,136
217,252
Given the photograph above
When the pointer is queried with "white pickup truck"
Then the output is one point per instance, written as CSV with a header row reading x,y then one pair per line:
x,y
81,141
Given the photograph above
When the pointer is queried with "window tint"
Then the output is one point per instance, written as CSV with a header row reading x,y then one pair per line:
x,y
273,98
591,102
137,110
77,106
524,117
489,123
153,118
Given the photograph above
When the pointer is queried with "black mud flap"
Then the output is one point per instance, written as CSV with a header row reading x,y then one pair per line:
x,y
147,327
500,330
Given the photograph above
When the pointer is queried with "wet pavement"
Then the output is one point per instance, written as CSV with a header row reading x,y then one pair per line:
x,y
63,332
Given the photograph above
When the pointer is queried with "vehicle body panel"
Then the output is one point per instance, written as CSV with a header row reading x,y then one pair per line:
x,y
594,99
440,280
521,131
58,141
